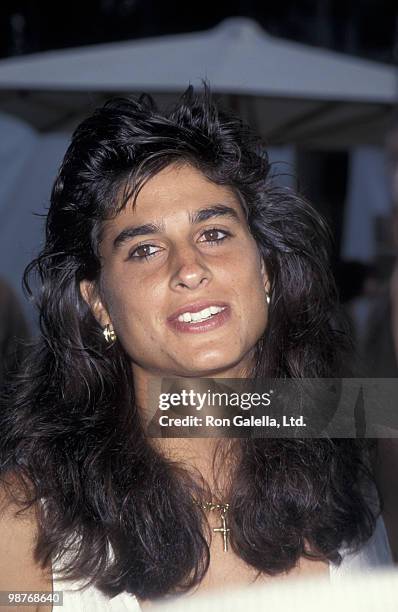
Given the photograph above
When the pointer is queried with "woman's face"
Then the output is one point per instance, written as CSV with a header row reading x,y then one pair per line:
x,y
182,282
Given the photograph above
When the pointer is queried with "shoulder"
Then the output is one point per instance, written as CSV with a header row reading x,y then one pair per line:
x,y
374,554
19,570
78,597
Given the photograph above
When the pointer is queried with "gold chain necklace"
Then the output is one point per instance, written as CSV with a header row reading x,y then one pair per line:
x,y
223,509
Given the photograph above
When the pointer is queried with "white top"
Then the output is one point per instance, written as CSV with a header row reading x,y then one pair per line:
x,y
376,553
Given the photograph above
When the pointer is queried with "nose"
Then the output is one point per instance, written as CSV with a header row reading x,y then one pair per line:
x,y
189,270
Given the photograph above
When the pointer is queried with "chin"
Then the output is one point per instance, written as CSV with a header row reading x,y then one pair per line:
x,y
209,366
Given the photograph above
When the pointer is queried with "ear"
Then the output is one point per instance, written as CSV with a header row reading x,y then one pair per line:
x,y
90,294
265,277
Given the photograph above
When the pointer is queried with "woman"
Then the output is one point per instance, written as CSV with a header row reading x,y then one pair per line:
x,y
155,218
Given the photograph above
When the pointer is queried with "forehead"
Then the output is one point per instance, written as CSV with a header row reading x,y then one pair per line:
x,y
173,194
181,185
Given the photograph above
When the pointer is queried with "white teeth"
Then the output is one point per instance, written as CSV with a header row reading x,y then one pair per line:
x,y
204,314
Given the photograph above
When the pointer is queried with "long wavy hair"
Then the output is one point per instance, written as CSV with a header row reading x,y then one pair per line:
x,y
118,513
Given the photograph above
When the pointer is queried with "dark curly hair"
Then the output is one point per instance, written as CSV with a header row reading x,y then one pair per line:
x,y
70,429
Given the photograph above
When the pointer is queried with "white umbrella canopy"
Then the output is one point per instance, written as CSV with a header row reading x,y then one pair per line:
x,y
290,92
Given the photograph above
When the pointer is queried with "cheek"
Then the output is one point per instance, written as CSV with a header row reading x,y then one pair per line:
x,y
256,309
250,293
131,309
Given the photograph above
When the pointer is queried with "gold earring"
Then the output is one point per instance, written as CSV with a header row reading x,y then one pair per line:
x,y
109,334
267,297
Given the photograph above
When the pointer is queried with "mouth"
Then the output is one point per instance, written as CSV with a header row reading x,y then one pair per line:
x,y
199,317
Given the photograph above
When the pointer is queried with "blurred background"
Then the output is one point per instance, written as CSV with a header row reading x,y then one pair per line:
x,y
317,78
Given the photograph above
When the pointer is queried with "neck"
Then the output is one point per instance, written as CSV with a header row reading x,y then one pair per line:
x,y
201,456
209,457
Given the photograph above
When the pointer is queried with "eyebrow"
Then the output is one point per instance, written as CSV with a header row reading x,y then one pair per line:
x,y
217,210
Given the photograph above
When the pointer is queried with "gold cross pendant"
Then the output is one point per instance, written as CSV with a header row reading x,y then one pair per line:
x,y
223,529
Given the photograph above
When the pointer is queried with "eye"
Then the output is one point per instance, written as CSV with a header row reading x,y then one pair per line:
x,y
214,236
144,251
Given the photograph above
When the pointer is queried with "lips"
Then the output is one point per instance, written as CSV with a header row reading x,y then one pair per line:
x,y
213,322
